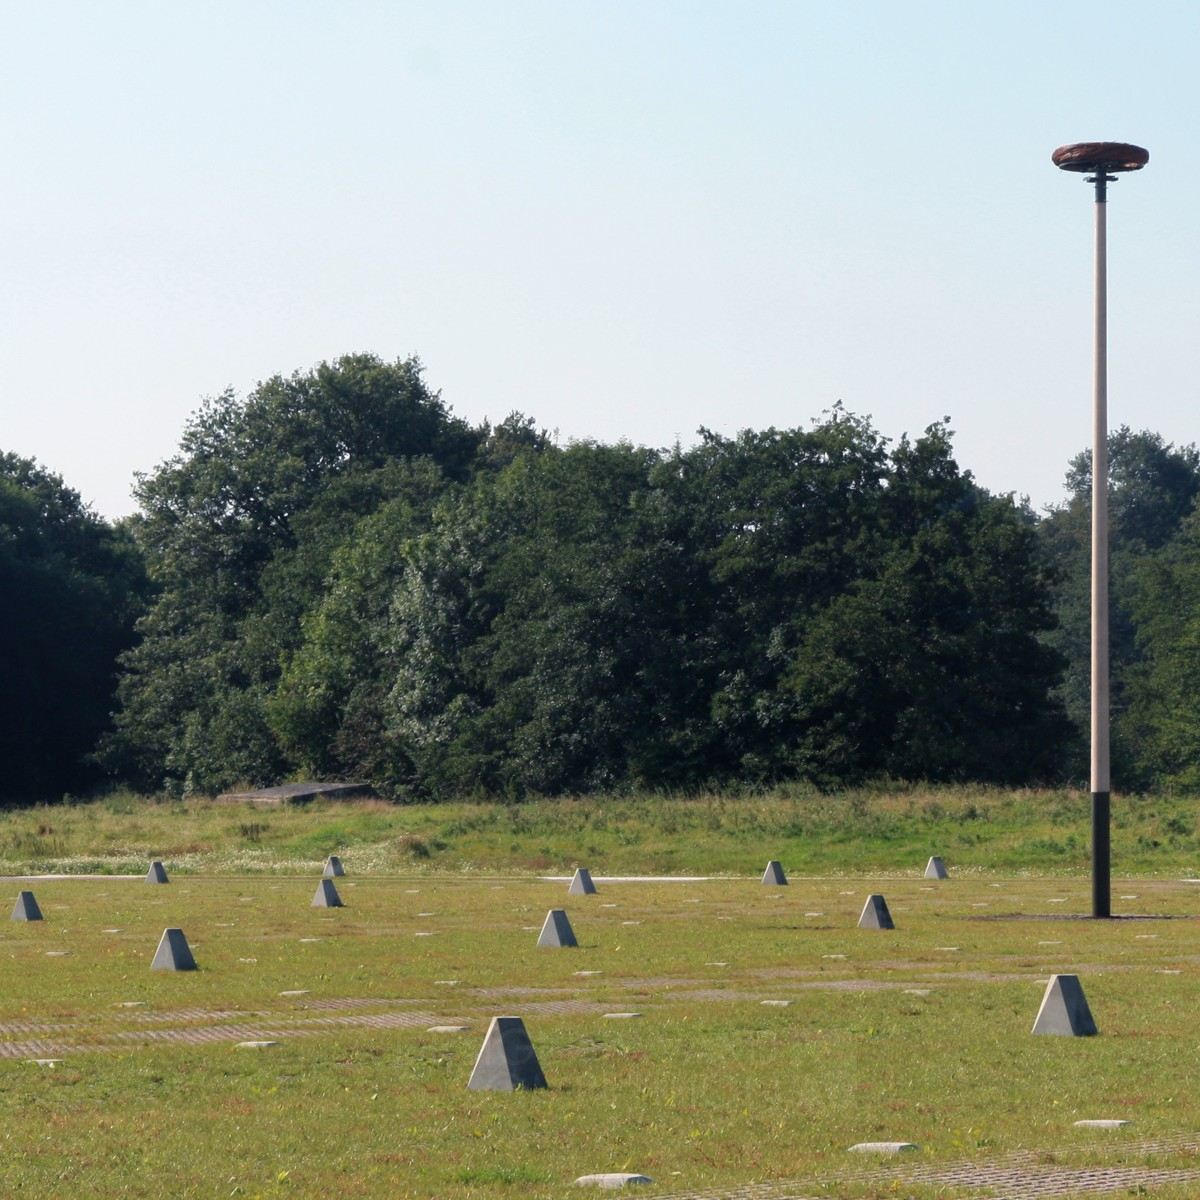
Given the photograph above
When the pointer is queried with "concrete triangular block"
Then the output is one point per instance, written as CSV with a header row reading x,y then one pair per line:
x,y
157,873
936,869
173,953
557,931
581,884
326,896
26,908
875,914
1065,1009
506,1059
333,868
773,876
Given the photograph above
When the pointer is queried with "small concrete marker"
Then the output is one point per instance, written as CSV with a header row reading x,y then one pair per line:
x,y
773,876
882,1147
448,1029
875,914
557,931
612,1180
581,884
326,896
26,908
157,873
173,953
333,867
622,1016
936,869
506,1059
260,1045
1064,1009
1102,1124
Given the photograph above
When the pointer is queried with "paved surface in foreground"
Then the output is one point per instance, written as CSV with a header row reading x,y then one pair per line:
x,y
1012,1177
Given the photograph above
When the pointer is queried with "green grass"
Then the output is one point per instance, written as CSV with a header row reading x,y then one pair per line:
x,y
920,1034
882,831
902,1039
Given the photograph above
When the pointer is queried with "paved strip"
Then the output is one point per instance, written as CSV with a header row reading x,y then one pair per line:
x,y
183,1028
276,1027
1014,1177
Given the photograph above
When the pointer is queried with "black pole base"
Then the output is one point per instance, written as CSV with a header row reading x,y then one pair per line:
x,y
1101,856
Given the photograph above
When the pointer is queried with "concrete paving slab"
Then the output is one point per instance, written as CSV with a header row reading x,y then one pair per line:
x,y
612,1180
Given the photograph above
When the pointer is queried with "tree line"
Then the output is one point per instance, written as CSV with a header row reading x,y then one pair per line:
x,y
336,576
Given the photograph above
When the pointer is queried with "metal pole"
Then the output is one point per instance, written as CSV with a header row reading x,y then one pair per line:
x,y
1100,158
1101,857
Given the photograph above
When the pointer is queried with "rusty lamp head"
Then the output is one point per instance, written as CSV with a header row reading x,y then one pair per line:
x,y
1100,157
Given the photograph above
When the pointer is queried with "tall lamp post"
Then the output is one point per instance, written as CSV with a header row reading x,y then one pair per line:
x,y
1104,160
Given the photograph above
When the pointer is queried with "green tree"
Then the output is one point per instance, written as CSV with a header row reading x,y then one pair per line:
x,y
783,521
328,707
239,531
1152,487
932,667
536,633
792,602
1159,725
71,586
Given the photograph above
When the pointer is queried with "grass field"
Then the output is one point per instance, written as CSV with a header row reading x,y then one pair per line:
x,y
919,1034
883,831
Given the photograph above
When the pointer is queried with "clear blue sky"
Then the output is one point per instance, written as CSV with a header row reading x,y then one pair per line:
x,y
625,218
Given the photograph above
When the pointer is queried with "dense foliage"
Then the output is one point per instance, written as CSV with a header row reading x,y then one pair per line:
x,y
1153,490
353,583
238,532
347,580
70,589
